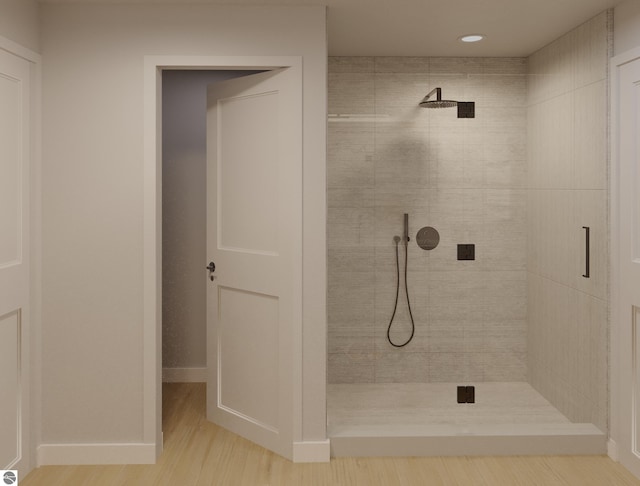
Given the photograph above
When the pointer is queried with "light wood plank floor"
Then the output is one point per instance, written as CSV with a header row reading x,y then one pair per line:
x,y
198,453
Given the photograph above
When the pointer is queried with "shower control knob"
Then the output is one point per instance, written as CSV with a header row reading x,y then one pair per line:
x,y
428,238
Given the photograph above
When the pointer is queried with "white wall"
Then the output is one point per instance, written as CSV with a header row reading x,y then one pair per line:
x,y
19,22
184,158
93,198
626,25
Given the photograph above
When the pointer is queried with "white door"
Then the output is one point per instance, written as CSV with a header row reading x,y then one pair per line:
x,y
627,221
14,260
254,237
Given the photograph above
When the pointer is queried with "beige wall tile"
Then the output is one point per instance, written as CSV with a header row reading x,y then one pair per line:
x,y
350,197
347,338
350,161
504,90
464,177
348,64
350,303
447,336
551,69
398,95
591,57
350,227
351,93
401,64
590,152
352,266
401,366
555,143
507,366
350,368
464,65
447,367
505,65
557,239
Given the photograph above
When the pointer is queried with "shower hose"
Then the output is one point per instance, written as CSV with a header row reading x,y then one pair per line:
x,y
406,291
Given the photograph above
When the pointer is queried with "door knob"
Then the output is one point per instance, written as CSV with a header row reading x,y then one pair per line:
x,y
212,268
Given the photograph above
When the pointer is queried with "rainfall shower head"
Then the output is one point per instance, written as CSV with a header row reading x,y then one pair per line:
x,y
438,102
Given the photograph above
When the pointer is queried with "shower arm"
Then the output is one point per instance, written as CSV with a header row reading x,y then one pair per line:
x,y
438,93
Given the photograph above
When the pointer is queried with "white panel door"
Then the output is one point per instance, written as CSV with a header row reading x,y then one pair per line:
x,y
628,238
14,259
254,237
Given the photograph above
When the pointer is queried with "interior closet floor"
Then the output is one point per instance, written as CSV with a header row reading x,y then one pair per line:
x,y
416,404
198,453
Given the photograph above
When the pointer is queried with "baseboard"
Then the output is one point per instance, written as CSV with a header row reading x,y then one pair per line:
x,y
95,454
184,375
312,451
612,450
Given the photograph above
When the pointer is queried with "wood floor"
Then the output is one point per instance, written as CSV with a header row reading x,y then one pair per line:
x,y
200,453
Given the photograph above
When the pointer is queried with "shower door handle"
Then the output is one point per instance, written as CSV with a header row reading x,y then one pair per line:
x,y
587,251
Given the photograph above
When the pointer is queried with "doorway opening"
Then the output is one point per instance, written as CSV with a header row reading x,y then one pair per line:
x,y
184,159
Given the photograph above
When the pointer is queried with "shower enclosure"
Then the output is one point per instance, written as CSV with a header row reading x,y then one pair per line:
x,y
502,304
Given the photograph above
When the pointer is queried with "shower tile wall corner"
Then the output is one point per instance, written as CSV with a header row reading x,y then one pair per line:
x,y
567,342
465,177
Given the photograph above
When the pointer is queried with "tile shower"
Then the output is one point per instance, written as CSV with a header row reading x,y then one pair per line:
x,y
518,181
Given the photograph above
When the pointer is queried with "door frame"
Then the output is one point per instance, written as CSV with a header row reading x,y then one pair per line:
x,y
152,233
31,356
616,419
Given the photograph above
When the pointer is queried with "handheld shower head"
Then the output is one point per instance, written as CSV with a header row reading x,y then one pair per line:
x,y
438,102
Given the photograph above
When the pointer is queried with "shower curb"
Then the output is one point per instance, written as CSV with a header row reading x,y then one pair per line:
x,y
508,440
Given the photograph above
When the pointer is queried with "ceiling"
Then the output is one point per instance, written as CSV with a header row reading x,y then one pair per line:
x,y
514,28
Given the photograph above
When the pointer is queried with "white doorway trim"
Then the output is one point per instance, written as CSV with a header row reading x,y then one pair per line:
x,y
152,229
620,423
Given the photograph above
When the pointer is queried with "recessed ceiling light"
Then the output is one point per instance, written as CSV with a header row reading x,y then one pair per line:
x,y
471,38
